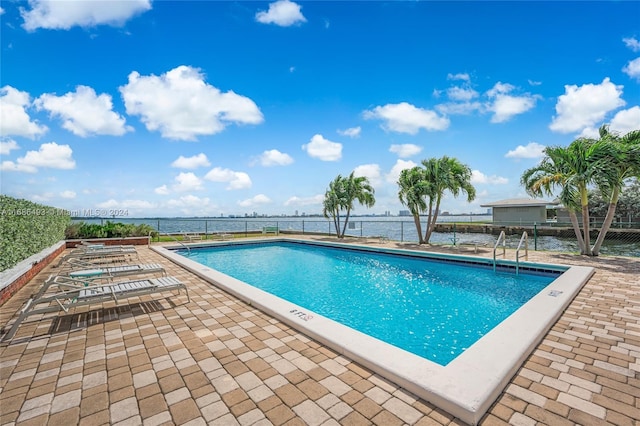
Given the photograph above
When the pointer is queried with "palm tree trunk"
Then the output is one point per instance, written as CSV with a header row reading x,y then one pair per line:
x,y
416,220
433,221
346,220
577,230
585,221
336,222
427,231
611,211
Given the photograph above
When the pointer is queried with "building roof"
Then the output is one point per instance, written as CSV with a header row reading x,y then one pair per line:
x,y
520,202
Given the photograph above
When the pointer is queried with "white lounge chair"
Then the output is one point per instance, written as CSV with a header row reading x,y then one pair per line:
x,y
107,253
74,292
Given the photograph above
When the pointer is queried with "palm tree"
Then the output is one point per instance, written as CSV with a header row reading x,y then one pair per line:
x,y
342,194
445,174
572,169
413,190
332,203
619,161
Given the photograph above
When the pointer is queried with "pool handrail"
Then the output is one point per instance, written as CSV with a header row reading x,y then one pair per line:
x,y
502,237
524,239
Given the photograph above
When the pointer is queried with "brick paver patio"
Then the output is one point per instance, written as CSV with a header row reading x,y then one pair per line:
x,y
216,360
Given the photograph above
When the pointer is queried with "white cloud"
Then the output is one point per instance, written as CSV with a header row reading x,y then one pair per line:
x,y
531,150
273,157
632,43
126,204
189,201
406,118
534,83
632,69
478,177
323,149
68,194
14,119
84,113
7,146
53,14
305,201
370,171
405,150
461,93
505,106
50,155
459,76
394,173
459,108
1,11
352,132
181,105
283,13
626,120
585,106
258,200
236,180
187,182
193,162
162,190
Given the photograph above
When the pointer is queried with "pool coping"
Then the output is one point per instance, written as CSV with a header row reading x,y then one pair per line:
x,y
468,385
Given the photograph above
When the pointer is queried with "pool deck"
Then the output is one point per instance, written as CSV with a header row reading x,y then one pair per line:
x,y
216,360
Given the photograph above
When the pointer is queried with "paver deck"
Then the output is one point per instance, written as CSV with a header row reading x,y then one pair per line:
x,y
158,360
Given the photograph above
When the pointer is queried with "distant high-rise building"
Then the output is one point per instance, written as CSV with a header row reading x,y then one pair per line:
x,y
404,213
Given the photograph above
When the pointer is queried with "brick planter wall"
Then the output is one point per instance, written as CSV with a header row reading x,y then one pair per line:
x,y
16,285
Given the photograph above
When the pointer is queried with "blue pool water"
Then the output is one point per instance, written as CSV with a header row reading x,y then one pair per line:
x,y
433,309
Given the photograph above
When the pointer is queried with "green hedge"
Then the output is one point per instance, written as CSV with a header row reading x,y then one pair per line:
x,y
27,228
108,230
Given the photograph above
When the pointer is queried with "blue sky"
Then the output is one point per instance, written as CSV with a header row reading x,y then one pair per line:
x,y
209,108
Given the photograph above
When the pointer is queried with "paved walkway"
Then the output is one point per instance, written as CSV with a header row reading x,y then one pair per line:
x,y
218,361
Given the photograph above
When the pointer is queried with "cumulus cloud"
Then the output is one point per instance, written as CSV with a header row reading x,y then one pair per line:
x,y
187,182
394,173
162,190
504,106
459,76
236,180
457,93
181,105
585,106
50,155
406,118
283,13
273,157
84,113
7,146
54,14
189,201
193,162
323,149
478,177
531,150
258,200
626,120
304,201
126,204
68,194
14,119
352,132
405,150
370,171
632,43
632,69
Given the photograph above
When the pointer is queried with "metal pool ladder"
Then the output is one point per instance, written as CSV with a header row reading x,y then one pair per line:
x,y
502,239
524,239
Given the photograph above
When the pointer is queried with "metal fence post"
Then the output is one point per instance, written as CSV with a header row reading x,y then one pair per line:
x,y
401,232
535,236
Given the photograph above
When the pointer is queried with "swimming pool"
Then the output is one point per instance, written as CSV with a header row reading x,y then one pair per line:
x,y
433,309
466,385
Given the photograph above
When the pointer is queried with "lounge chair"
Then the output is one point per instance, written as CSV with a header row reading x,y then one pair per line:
x,y
75,292
78,266
107,253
